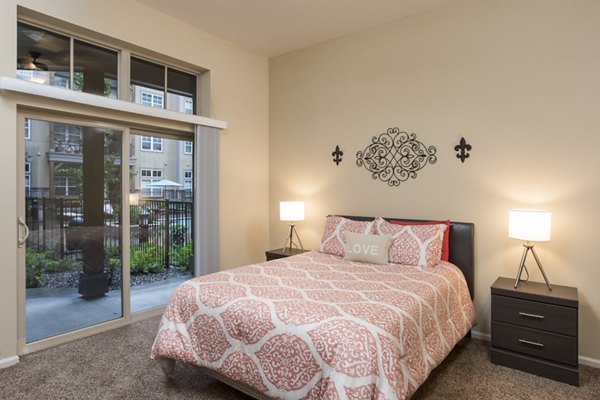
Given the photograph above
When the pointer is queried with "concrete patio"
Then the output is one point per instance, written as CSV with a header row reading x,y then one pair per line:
x,y
51,311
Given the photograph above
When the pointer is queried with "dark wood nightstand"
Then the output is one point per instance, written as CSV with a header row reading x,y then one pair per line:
x,y
535,329
282,253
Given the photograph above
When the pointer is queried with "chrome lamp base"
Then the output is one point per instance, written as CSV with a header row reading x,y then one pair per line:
x,y
529,247
290,239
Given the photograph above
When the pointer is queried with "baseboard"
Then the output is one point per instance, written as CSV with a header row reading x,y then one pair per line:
x,y
589,361
480,335
583,360
8,361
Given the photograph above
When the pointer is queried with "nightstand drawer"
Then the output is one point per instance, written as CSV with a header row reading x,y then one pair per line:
x,y
534,342
533,314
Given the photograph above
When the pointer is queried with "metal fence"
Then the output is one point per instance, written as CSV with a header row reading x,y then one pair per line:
x,y
160,226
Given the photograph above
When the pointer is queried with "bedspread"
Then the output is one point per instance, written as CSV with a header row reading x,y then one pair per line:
x,y
315,326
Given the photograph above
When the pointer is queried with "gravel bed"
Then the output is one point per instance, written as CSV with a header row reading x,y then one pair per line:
x,y
71,279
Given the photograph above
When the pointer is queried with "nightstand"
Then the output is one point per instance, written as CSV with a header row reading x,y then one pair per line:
x,y
535,329
282,253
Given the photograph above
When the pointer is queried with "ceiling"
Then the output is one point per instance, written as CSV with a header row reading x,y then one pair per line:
x,y
274,27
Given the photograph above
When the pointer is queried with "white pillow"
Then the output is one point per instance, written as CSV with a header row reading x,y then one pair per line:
x,y
372,249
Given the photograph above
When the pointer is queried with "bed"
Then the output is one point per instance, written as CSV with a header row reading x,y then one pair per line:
x,y
317,326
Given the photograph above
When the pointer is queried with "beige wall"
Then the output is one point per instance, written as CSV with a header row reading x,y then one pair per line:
x,y
519,79
239,84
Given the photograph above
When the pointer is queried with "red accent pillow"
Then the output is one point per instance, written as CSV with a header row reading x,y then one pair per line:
x,y
445,240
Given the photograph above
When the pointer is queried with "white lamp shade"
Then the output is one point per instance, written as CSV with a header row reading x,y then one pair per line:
x,y
529,225
291,210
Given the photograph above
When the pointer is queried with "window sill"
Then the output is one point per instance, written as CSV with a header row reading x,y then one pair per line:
x,y
71,96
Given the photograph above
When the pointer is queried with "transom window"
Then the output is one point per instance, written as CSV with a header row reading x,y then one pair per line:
x,y
152,143
151,83
63,60
53,59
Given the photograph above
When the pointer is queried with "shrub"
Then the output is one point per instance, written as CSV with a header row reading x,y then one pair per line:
x,y
181,257
112,266
35,264
62,265
146,261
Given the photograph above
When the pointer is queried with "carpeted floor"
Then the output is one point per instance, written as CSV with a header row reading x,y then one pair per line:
x,y
116,365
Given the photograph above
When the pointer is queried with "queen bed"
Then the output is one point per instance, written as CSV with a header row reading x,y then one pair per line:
x,y
322,326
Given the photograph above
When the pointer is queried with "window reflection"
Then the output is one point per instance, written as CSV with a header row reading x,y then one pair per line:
x,y
148,87
95,70
42,56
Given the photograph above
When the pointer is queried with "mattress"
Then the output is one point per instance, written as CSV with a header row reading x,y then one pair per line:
x,y
316,326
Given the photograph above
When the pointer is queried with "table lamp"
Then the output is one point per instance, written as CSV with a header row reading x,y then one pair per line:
x,y
291,211
530,226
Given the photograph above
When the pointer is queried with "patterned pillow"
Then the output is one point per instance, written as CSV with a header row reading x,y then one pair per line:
x,y
334,239
446,240
413,244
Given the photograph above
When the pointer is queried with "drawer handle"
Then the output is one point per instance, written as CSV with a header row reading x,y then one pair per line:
x,y
537,344
524,314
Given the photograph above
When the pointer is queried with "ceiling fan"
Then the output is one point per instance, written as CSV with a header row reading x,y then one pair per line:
x,y
32,64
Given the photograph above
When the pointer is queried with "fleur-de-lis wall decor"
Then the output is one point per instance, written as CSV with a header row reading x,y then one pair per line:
x,y
337,155
462,150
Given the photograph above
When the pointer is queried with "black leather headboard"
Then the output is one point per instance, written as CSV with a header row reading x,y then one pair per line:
x,y
462,246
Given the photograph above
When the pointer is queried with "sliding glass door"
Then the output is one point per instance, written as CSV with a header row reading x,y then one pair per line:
x,y
72,204
161,196
102,235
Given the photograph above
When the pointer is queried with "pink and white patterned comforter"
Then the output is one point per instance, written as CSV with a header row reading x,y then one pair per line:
x,y
315,326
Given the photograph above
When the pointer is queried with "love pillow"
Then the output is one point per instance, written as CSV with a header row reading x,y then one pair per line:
x,y
367,248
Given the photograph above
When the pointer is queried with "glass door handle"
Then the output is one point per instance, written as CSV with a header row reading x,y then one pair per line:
x,y
21,241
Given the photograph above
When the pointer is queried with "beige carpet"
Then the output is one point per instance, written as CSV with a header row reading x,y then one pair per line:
x,y
116,365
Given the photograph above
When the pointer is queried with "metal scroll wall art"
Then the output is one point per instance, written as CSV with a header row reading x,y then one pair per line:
x,y
395,156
